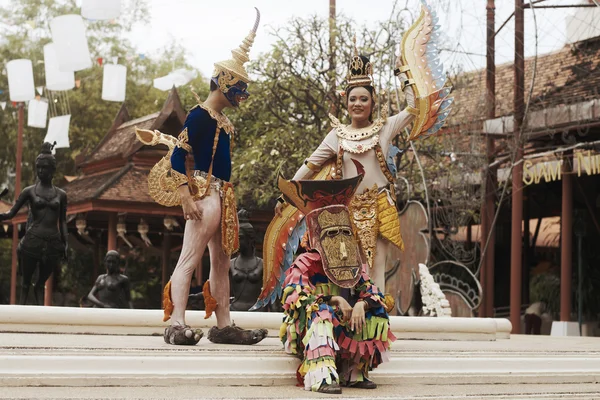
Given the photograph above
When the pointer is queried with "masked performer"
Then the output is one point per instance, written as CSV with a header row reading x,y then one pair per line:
x,y
339,341
45,242
368,140
208,202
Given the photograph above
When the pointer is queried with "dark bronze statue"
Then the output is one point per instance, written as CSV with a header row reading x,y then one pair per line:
x,y
111,290
246,270
45,242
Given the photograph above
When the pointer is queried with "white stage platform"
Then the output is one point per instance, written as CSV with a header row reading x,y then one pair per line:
x,y
149,322
91,353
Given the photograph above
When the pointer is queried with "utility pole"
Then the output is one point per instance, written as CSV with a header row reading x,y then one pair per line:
x,y
332,60
487,235
15,238
516,247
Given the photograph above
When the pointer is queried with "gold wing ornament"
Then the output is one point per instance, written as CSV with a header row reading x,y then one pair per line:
x,y
419,57
163,180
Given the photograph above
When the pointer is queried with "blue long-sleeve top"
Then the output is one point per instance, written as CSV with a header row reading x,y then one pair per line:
x,y
201,129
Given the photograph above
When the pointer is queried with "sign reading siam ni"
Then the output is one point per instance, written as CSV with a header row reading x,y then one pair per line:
x,y
584,162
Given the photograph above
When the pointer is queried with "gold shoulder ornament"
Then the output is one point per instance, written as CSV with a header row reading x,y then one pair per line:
x,y
163,180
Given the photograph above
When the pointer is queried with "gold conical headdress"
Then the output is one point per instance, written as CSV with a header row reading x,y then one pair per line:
x,y
360,71
240,56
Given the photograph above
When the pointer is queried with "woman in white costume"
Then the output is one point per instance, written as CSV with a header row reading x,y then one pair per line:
x,y
374,206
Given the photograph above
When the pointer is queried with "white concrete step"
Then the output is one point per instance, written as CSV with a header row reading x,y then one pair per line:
x,y
93,360
402,391
149,322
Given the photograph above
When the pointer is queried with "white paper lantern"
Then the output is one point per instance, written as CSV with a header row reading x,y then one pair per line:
x,y
20,80
37,112
114,82
178,77
58,131
100,9
55,78
68,35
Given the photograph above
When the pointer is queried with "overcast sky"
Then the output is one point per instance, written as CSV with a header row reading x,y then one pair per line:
x,y
210,29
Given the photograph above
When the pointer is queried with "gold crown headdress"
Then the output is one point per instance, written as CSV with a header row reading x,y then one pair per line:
x,y
360,70
240,56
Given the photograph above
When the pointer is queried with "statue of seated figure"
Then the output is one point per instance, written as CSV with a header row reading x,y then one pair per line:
x,y
246,270
111,290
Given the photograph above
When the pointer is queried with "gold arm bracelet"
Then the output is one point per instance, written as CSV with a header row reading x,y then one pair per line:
x,y
313,167
412,110
402,69
406,83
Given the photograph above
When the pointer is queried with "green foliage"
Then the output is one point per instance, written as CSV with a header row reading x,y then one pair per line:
x,y
545,287
75,279
24,29
590,276
144,273
287,116
5,266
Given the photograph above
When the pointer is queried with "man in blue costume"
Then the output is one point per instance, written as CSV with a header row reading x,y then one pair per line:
x,y
207,200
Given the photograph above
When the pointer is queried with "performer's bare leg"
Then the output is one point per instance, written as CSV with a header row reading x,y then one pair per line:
x,y
196,236
219,279
225,331
379,263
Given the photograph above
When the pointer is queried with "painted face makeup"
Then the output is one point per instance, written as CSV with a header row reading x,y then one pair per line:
x,y
235,90
237,93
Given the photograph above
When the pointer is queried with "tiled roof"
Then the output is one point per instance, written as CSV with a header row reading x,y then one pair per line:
x,y
567,76
129,183
89,187
132,186
112,180
123,138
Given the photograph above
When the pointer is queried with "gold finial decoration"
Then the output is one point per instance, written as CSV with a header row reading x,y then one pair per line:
x,y
240,56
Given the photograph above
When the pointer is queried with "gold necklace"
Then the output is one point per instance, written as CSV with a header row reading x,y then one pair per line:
x,y
359,146
222,120
347,132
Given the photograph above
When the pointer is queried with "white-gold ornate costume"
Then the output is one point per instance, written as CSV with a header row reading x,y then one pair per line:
x,y
373,208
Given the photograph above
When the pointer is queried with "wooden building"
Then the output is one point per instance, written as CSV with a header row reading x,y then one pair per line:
x,y
109,204
561,174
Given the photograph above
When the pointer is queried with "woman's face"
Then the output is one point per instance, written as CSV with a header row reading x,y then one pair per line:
x,y
360,104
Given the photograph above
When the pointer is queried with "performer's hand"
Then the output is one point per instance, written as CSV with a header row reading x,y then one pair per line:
x,y
398,63
357,322
191,210
343,305
278,209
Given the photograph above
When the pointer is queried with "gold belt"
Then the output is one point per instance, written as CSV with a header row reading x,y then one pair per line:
x,y
200,185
